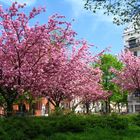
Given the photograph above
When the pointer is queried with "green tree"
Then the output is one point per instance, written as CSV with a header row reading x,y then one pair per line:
x,y
108,61
119,97
123,11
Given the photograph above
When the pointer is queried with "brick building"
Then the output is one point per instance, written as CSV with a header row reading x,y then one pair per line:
x,y
41,107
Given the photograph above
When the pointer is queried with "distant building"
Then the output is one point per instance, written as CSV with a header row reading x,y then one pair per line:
x,y
132,42
134,103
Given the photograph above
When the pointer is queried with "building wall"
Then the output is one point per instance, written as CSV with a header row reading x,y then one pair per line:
x,y
1,111
131,34
41,108
128,35
133,104
43,103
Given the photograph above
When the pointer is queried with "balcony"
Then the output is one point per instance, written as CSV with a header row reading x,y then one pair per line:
x,y
133,43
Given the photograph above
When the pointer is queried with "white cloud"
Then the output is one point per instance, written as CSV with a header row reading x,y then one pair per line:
x,y
28,2
77,7
78,10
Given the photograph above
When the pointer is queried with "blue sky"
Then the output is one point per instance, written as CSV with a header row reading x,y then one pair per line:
x,y
97,29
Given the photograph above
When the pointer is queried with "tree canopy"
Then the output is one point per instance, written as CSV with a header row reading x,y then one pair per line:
x,y
128,77
108,61
123,11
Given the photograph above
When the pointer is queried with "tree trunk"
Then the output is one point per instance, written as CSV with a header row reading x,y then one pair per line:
x,y
102,108
118,107
109,107
9,109
106,107
57,105
48,108
127,107
87,105
31,108
115,107
75,106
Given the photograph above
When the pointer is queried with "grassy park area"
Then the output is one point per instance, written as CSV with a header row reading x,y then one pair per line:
x,y
71,127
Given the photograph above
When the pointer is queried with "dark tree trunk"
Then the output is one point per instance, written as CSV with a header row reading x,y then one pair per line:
x,y
106,107
31,108
75,106
9,109
127,107
109,107
87,105
102,108
118,107
57,104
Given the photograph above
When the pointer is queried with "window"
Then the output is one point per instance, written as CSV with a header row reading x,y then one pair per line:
x,y
67,105
130,108
138,101
137,108
137,93
132,43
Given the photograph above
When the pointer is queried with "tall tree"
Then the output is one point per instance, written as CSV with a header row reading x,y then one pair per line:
x,y
24,50
20,51
70,76
108,61
124,11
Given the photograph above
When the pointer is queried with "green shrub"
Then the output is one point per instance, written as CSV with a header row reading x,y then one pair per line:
x,y
71,123
36,128
115,122
136,120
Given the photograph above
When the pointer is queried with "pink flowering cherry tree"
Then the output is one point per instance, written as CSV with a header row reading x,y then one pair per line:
x,y
69,75
128,77
24,50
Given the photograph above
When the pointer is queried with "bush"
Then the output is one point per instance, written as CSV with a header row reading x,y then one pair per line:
x,y
71,123
26,128
114,122
135,119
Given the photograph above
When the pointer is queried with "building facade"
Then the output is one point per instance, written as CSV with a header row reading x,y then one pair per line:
x,y
40,107
132,42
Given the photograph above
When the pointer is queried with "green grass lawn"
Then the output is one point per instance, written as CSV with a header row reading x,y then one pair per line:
x,y
71,127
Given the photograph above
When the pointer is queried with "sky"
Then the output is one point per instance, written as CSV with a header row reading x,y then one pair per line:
x,y
97,29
